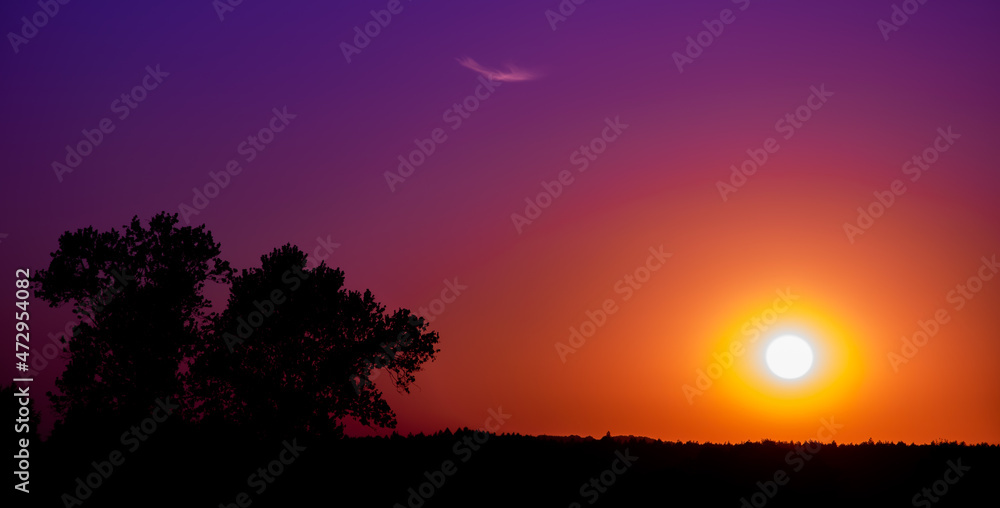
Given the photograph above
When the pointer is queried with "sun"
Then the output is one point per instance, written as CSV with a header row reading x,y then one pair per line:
x,y
789,357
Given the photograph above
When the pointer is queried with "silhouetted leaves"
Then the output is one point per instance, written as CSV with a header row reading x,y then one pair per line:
x,y
138,294
293,351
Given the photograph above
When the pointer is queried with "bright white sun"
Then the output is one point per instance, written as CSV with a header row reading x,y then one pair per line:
x,y
789,357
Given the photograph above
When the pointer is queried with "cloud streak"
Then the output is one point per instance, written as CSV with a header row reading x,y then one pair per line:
x,y
512,74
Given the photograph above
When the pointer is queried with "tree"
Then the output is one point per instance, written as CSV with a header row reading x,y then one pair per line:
x,y
294,352
138,294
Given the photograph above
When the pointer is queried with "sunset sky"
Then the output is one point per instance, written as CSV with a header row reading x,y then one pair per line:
x,y
838,103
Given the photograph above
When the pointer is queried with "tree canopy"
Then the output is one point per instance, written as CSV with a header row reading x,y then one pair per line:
x,y
292,351
139,296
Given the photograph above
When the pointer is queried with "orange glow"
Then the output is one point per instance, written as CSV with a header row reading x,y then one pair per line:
x,y
729,260
834,378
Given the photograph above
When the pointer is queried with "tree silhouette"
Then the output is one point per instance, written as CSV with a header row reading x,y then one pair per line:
x,y
293,352
138,294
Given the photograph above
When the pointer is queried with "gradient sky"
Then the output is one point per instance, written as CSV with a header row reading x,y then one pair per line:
x,y
656,184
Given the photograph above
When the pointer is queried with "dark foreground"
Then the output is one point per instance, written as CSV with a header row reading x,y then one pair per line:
x,y
178,467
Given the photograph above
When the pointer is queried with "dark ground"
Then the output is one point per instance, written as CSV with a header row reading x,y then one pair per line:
x,y
178,466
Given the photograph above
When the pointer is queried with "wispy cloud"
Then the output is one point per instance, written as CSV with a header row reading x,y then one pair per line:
x,y
512,73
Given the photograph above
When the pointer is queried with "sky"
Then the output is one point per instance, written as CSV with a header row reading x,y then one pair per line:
x,y
681,181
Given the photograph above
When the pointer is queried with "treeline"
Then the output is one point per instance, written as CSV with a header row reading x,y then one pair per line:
x,y
183,464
